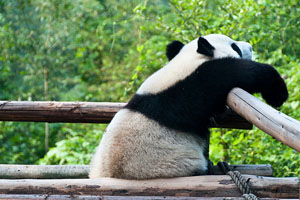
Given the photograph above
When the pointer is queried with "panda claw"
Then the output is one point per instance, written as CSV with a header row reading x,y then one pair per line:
x,y
210,168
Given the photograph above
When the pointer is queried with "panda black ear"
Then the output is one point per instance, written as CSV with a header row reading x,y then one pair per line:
x,y
173,49
204,47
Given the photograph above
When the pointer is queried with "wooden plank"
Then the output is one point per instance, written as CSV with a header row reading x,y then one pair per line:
x,y
90,197
81,171
88,112
196,186
271,121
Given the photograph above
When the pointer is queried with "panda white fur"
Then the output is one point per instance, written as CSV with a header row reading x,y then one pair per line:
x,y
163,130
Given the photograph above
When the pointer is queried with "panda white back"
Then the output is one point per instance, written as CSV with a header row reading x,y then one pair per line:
x,y
186,62
163,130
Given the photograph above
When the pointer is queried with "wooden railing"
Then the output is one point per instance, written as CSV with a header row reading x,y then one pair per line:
x,y
89,112
271,121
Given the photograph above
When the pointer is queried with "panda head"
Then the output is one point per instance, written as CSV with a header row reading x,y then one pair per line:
x,y
211,46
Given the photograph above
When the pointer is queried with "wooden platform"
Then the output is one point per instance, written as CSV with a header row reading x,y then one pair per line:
x,y
93,197
196,186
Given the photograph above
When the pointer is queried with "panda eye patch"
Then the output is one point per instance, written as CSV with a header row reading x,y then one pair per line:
x,y
237,49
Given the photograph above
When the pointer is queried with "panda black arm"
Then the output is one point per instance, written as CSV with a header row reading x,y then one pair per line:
x,y
251,76
188,104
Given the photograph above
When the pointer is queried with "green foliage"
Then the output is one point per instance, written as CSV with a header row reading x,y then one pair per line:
x,y
99,50
77,147
16,143
253,147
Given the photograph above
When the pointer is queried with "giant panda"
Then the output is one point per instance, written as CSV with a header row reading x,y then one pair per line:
x,y
163,130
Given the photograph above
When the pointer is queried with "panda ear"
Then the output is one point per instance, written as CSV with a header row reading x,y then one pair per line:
x,y
204,47
173,49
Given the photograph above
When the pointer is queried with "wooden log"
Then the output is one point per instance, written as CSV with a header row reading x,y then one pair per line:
x,y
196,186
45,111
88,112
271,121
43,171
259,170
94,197
81,171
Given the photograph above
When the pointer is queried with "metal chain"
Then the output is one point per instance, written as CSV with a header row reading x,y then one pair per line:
x,y
242,184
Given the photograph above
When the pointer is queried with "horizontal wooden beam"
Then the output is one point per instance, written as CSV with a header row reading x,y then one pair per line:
x,y
195,186
8,171
95,197
271,121
81,171
51,111
89,112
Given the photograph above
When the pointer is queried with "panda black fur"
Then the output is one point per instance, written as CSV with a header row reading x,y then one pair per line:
x,y
163,130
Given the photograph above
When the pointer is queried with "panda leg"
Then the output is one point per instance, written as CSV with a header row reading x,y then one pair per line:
x,y
224,167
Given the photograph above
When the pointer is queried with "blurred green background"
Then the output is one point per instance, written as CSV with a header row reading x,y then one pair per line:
x,y
101,50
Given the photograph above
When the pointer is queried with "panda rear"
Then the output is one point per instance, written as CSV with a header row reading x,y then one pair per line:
x,y
163,130
140,148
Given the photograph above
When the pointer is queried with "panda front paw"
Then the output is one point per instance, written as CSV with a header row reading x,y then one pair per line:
x,y
276,94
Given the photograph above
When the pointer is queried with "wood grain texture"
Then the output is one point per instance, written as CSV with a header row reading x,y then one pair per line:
x,y
271,121
196,186
89,112
81,171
